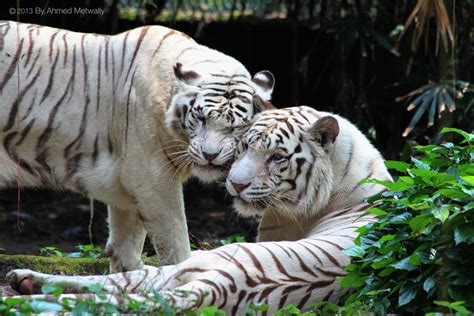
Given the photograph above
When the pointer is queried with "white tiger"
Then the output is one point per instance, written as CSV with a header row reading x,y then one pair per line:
x,y
123,119
298,168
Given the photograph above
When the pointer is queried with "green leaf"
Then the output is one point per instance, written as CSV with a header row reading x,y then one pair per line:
x,y
381,263
442,303
383,239
407,294
387,184
376,211
467,137
95,288
453,193
12,301
354,251
402,218
432,177
468,179
418,223
429,284
466,169
457,306
464,233
404,264
387,271
209,311
402,183
354,279
414,260
256,307
420,164
397,165
51,289
42,306
469,206
292,309
441,213
419,206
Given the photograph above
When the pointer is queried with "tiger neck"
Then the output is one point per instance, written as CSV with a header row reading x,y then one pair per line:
x,y
348,168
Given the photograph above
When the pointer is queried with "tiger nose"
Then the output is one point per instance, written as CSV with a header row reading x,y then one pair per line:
x,y
239,187
210,157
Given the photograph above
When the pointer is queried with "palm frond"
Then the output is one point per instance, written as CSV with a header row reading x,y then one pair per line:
x,y
433,97
424,11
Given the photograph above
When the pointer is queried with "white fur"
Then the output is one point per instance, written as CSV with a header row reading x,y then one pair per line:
x,y
104,115
332,176
300,268
298,257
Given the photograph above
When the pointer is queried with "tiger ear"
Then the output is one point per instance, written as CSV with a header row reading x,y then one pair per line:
x,y
175,116
187,77
264,82
260,105
324,131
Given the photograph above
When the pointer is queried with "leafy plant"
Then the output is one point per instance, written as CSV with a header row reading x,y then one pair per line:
x,y
51,252
424,11
435,97
84,251
232,239
418,256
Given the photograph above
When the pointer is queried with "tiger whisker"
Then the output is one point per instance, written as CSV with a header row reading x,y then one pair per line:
x,y
171,163
176,141
163,149
170,155
182,165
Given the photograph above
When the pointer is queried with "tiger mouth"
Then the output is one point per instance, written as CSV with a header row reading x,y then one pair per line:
x,y
212,167
257,204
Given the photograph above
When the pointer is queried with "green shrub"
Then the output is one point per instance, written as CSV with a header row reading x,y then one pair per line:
x,y
419,255
84,251
417,258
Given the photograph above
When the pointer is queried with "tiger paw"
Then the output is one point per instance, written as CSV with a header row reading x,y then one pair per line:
x,y
25,281
121,263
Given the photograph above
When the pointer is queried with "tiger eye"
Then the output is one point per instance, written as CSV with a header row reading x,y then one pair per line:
x,y
277,157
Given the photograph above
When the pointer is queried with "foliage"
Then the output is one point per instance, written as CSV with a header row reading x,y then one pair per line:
x,y
84,251
232,239
435,98
87,251
50,251
150,303
422,14
419,255
416,258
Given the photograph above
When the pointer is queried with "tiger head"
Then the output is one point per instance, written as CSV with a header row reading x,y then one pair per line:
x,y
284,163
213,111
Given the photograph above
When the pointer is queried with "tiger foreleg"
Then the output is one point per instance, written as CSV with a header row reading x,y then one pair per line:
x,y
163,217
126,238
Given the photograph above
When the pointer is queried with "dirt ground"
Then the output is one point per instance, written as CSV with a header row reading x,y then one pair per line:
x,y
61,219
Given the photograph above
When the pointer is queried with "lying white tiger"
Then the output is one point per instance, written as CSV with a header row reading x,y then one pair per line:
x,y
300,169
122,119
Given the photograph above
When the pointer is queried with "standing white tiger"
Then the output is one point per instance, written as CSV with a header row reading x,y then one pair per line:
x,y
300,169
122,119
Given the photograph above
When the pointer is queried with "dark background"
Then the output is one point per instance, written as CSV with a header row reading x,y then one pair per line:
x,y
347,57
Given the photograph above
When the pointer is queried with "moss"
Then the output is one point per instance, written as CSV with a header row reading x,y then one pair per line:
x,y
58,265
